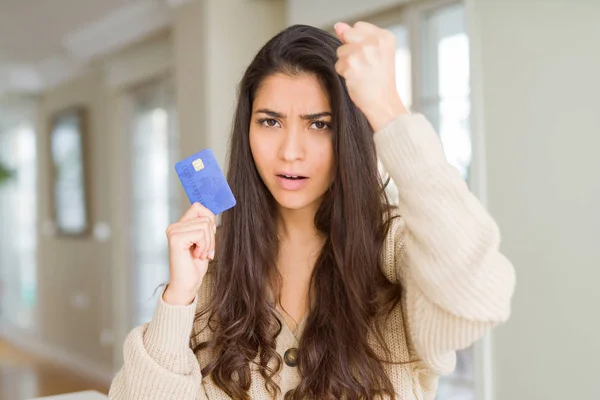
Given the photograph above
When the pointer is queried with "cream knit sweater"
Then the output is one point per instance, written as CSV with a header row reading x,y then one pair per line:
x,y
443,251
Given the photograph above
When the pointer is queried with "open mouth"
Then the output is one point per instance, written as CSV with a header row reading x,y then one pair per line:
x,y
292,177
291,182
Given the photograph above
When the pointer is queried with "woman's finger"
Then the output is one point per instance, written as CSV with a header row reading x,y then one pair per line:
x,y
197,210
200,252
193,224
346,50
348,34
204,224
190,225
340,29
366,27
187,239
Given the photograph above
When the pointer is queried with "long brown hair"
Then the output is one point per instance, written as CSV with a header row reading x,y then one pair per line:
x,y
348,291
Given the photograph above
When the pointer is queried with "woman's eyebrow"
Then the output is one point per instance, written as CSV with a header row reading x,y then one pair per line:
x,y
276,114
270,113
316,115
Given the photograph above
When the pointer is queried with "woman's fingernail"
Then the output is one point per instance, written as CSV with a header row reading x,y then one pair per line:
x,y
212,254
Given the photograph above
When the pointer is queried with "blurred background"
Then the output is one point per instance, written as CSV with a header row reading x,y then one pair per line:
x,y
99,99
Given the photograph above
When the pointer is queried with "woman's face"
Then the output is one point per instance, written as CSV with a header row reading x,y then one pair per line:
x,y
291,139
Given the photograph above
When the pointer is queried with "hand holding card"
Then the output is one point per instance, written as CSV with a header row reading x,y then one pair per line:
x,y
192,238
191,246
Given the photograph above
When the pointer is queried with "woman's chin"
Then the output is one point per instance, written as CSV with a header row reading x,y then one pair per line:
x,y
293,201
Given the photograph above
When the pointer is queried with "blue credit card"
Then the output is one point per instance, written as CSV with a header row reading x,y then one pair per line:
x,y
204,181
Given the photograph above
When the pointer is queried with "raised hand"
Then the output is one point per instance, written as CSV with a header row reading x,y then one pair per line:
x,y
191,246
366,60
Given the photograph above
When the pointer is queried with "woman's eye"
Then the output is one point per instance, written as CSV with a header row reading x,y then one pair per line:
x,y
320,125
269,122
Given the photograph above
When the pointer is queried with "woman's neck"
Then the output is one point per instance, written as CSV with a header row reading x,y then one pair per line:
x,y
300,244
297,226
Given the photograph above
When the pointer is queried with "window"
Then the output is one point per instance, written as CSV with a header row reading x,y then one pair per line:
x,y
18,213
154,204
445,87
432,76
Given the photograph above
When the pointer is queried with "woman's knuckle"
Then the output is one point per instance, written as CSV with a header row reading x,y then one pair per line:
x,y
354,62
169,229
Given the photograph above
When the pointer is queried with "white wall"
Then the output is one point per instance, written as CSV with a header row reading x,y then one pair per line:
x,y
253,23
541,61
323,13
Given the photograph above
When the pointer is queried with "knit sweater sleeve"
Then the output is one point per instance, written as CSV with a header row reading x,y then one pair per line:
x,y
158,361
457,285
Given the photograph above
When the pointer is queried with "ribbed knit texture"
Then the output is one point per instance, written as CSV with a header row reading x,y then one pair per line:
x,y
443,251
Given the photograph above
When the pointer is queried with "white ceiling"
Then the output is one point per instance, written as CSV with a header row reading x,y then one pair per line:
x,y
32,30
43,42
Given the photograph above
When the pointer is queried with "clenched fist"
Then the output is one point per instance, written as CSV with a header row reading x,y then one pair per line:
x,y
366,60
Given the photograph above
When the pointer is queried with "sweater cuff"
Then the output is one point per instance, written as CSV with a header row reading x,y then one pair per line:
x,y
171,327
408,146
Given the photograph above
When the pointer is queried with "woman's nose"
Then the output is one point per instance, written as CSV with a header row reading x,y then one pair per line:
x,y
292,146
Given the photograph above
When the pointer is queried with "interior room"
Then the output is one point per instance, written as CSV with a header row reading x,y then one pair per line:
x,y
126,88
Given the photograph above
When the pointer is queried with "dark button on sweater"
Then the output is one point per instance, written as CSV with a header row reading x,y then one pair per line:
x,y
291,357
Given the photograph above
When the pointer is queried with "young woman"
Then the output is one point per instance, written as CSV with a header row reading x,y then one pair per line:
x,y
318,288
